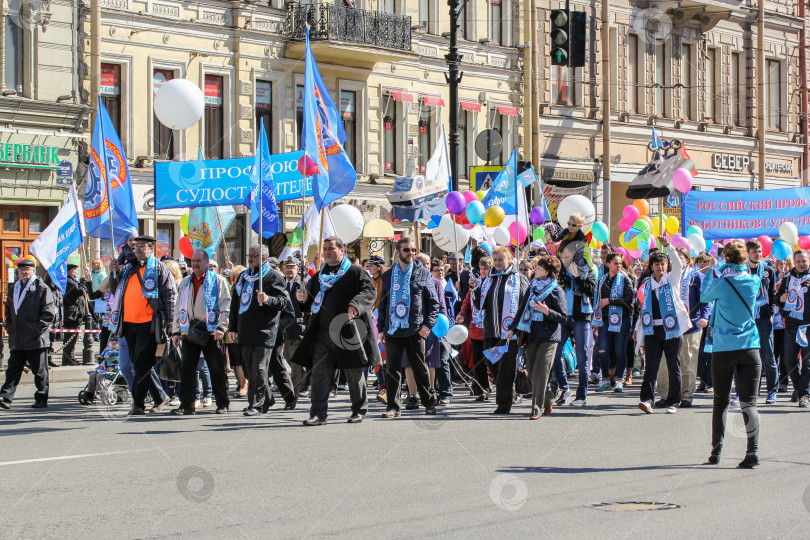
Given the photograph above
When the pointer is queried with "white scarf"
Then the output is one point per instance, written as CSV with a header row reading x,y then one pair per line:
x,y
18,296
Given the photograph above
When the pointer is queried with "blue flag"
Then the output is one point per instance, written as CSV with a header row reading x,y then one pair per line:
x,y
62,237
107,174
655,140
528,177
494,354
261,178
504,190
468,256
323,138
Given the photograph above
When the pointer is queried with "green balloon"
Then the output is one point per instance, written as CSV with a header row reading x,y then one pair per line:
x,y
642,225
539,233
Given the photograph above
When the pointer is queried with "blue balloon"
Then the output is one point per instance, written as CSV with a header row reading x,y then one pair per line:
x,y
487,247
694,229
475,212
781,250
442,326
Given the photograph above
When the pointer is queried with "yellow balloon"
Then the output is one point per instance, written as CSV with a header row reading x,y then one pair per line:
x,y
481,193
658,225
494,216
184,223
632,245
672,224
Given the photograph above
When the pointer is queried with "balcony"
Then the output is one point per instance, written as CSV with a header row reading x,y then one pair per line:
x,y
339,24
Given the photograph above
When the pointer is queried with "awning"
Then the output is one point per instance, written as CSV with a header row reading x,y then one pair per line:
x,y
508,111
402,96
433,101
378,228
470,106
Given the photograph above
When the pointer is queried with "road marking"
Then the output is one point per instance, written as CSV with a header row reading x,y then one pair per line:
x,y
59,458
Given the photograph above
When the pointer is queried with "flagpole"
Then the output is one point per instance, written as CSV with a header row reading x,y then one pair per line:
x,y
320,241
261,221
416,236
110,205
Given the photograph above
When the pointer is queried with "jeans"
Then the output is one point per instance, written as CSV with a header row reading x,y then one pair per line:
x,y
580,332
798,367
444,384
613,346
748,367
767,358
205,376
657,345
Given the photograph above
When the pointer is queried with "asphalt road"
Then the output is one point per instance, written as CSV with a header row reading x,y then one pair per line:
x,y
75,471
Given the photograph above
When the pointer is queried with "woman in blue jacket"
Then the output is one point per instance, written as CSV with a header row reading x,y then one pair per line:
x,y
735,344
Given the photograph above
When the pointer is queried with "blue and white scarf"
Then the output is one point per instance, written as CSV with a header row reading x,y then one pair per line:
x,y
686,279
539,290
211,291
245,286
666,303
795,301
477,313
511,298
586,306
150,278
762,296
493,354
400,304
148,290
614,312
327,281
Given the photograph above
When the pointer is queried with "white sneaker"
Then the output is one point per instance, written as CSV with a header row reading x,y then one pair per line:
x,y
578,403
197,404
206,402
672,409
175,401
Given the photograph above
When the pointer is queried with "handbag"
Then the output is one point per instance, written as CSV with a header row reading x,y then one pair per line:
x,y
523,384
170,364
198,333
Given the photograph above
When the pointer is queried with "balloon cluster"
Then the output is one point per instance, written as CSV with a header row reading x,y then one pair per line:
x,y
637,229
469,212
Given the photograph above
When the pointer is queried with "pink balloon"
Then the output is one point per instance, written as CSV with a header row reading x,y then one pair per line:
x,y
636,253
625,224
682,179
631,213
804,242
623,251
469,226
766,245
653,242
521,232
470,196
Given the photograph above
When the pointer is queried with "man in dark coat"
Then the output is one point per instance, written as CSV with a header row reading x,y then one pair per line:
x,y
254,324
408,333
76,315
292,336
340,298
29,313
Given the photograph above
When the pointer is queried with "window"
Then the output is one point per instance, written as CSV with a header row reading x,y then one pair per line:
x,y
773,94
299,113
425,146
633,79
660,79
111,95
463,118
687,79
162,144
496,123
14,52
562,85
389,113
264,110
736,90
232,248
424,15
712,107
165,240
462,20
388,6
37,221
214,132
496,20
11,221
348,108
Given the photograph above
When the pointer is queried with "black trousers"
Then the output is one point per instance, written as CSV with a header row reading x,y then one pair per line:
x,y
215,359
503,371
415,347
256,362
797,363
38,360
142,345
749,367
704,362
657,345
70,345
281,375
480,371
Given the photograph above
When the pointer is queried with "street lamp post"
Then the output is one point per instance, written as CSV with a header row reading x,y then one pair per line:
x,y
453,79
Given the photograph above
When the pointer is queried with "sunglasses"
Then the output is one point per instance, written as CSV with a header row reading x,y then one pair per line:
x,y
408,250
574,224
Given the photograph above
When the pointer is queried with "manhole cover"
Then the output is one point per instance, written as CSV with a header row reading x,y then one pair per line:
x,y
633,506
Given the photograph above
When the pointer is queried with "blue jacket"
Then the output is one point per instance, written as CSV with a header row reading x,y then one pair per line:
x,y
424,308
697,309
732,317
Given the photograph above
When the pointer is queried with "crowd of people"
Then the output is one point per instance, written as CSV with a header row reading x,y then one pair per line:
x,y
683,324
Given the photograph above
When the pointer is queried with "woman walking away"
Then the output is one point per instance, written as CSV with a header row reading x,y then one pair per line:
x,y
735,345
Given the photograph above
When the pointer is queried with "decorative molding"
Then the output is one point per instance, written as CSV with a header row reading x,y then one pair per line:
x,y
246,88
245,135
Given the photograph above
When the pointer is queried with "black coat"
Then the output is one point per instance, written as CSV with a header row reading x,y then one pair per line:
x,y
549,328
28,329
493,303
296,330
424,308
258,325
75,306
354,288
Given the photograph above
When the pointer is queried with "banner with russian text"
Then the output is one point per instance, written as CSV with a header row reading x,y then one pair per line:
x,y
218,182
746,214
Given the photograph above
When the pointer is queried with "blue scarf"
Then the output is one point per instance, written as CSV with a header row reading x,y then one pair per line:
x,y
539,290
211,291
494,354
762,296
400,304
686,278
586,306
150,278
511,298
245,286
795,292
327,281
666,304
614,312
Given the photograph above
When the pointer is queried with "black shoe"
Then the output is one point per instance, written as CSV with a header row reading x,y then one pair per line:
x,y
51,364
686,404
750,461
5,404
782,389
315,421
268,404
222,410
500,410
714,459
40,405
138,411
701,388
252,412
69,363
482,397
795,397
182,412
88,363
355,418
661,404
430,411
412,404
291,405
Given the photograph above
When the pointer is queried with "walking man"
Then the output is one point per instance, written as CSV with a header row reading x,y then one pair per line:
x,y
76,309
295,332
28,316
200,321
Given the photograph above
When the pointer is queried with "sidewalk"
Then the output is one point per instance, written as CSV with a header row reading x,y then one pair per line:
x,y
58,374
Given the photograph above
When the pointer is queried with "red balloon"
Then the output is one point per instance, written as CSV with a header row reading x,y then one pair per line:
x,y
306,166
766,243
185,247
804,242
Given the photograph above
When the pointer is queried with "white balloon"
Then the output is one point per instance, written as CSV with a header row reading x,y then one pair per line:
x,y
443,235
179,104
348,222
576,203
456,335
789,233
697,242
501,236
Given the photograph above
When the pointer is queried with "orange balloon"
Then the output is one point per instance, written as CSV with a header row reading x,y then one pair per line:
x,y
643,207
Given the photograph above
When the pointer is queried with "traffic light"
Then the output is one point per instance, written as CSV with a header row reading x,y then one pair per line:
x,y
578,27
559,37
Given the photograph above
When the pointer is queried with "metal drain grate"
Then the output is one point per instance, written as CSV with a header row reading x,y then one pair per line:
x,y
633,506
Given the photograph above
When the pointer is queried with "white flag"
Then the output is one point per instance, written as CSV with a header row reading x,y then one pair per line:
x,y
438,166
311,224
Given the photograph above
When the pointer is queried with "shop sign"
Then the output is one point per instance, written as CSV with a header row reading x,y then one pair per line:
x,y
29,156
567,175
64,174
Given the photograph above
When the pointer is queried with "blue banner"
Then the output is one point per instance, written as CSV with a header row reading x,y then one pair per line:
x,y
746,214
218,182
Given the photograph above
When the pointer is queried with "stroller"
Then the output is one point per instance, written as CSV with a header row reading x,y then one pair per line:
x,y
113,388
